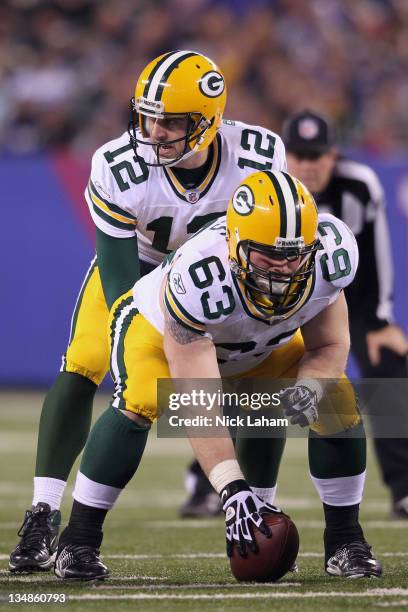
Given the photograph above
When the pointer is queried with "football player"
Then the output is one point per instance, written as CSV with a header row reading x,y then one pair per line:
x,y
256,294
149,191
353,192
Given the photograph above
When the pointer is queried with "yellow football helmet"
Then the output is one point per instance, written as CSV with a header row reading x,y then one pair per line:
x,y
272,213
181,84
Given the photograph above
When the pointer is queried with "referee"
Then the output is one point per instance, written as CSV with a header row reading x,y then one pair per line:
x,y
352,192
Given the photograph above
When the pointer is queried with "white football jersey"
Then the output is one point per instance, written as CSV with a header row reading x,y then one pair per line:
x,y
127,196
203,296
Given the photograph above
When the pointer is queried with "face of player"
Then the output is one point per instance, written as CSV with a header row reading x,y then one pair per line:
x,y
313,170
168,130
272,264
165,131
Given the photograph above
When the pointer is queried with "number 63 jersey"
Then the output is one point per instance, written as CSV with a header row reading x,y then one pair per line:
x,y
126,196
202,295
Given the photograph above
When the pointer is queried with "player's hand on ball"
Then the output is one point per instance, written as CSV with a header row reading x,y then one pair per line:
x,y
299,403
243,510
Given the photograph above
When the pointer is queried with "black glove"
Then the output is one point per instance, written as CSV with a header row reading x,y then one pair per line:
x,y
243,510
300,404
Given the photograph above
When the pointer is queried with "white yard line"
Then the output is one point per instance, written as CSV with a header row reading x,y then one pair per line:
x,y
15,490
380,554
173,556
221,596
24,578
366,524
201,555
228,585
223,555
309,524
6,576
392,604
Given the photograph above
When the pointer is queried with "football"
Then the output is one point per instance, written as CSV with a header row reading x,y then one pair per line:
x,y
275,556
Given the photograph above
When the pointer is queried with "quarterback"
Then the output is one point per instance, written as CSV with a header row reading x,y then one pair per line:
x,y
149,191
258,293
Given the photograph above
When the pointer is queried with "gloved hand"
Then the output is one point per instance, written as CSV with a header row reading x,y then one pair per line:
x,y
299,403
243,511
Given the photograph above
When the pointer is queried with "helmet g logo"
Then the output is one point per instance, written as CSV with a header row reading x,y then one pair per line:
x,y
211,84
243,200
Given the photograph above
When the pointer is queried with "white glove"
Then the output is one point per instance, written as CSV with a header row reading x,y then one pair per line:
x,y
243,510
300,404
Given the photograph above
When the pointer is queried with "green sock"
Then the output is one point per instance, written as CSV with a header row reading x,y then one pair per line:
x,y
114,449
64,424
259,459
334,457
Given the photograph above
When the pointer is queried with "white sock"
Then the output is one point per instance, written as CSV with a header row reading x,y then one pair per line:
x,y
266,493
94,494
342,491
49,491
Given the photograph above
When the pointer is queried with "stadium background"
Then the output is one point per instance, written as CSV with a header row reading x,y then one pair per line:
x,y
67,70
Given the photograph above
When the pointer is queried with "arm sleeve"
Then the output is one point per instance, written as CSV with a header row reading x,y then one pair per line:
x,y
279,160
181,298
339,258
191,297
109,207
118,263
279,154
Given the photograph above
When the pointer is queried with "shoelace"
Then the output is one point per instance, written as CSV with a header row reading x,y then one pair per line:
x,y
33,530
84,554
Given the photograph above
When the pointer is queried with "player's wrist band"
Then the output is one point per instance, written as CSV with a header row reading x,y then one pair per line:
x,y
223,473
313,384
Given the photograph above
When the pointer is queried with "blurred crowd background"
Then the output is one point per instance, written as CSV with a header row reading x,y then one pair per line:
x,y
67,71
68,67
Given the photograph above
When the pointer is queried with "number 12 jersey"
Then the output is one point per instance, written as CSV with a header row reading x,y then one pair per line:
x,y
126,196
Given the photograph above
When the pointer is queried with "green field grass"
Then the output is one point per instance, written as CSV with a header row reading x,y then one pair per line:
x,y
159,562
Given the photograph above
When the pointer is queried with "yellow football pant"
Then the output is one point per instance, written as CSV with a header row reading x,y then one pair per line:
x,y
138,361
88,348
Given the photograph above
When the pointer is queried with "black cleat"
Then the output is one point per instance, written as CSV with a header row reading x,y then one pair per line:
x,y
79,562
39,539
199,505
399,510
354,560
203,501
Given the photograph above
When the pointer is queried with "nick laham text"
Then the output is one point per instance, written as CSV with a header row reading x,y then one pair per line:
x,y
248,420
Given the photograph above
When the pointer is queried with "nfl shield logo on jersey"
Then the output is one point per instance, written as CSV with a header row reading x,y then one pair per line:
x,y
192,196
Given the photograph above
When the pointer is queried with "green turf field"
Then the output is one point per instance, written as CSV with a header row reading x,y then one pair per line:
x,y
159,562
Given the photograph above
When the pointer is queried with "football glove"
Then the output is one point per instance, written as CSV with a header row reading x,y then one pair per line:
x,y
243,510
299,403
